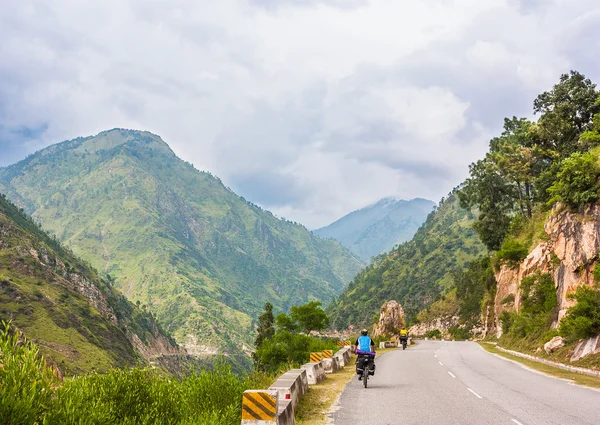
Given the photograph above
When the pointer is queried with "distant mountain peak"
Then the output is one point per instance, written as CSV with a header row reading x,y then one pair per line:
x,y
377,228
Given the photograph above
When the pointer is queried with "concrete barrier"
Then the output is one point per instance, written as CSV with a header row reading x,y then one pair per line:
x,y
347,354
314,372
276,406
387,344
303,377
291,386
260,407
285,415
331,365
343,356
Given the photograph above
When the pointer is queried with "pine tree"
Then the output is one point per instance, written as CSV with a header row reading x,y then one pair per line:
x,y
266,330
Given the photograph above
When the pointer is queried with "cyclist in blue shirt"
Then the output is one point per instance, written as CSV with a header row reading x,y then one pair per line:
x,y
365,344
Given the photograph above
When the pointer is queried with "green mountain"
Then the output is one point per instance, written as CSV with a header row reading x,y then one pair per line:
x,y
377,228
80,322
416,272
176,240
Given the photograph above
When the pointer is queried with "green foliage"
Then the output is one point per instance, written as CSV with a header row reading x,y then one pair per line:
x,y
203,260
266,328
512,251
510,298
434,333
25,382
30,393
285,322
459,333
416,272
577,180
309,317
583,319
597,272
566,111
539,163
289,348
538,310
471,286
538,294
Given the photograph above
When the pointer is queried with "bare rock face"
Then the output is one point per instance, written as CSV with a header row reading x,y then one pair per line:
x,y
554,344
569,256
586,347
441,323
391,319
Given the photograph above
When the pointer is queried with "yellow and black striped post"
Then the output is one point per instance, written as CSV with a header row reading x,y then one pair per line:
x,y
316,357
327,354
339,344
259,405
347,343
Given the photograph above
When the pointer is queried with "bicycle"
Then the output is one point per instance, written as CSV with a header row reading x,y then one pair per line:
x,y
365,366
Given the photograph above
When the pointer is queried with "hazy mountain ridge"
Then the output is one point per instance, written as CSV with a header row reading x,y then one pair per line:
x,y
176,239
79,321
379,227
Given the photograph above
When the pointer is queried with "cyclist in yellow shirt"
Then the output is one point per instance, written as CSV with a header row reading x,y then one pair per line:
x,y
404,338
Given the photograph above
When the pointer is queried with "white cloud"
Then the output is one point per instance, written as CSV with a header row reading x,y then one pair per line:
x,y
310,108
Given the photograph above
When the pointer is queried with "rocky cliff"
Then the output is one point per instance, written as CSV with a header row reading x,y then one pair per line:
x,y
569,255
79,321
441,324
391,319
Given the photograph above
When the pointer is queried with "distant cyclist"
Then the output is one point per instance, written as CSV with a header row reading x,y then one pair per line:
x,y
403,338
363,346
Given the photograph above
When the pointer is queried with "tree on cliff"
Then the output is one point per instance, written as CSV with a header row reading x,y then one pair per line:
x,y
310,317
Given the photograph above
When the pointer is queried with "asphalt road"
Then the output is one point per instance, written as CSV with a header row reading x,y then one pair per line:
x,y
437,383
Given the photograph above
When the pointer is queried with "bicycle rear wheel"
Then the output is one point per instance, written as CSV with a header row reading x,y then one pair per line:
x,y
365,378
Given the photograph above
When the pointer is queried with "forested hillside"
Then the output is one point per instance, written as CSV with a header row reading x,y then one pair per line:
x,y
376,229
79,321
416,272
175,240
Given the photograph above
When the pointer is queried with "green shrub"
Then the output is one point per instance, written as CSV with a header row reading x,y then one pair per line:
x,y
512,251
583,319
538,294
577,180
506,318
289,348
30,393
459,333
26,384
597,273
510,298
434,333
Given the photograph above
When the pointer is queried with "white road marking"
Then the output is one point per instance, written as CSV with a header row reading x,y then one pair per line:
x,y
451,374
516,421
476,395
441,364
435,355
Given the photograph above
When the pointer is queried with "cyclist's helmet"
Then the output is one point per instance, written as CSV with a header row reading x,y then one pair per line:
x,y
363,332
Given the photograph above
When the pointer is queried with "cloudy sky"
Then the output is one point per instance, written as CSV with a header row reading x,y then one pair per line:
x,y
310,108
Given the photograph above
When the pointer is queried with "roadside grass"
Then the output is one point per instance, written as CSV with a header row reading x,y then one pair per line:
x,y
314,406
577,378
